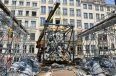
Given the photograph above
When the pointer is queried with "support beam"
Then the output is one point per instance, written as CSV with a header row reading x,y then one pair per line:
x,y
7,11
101,25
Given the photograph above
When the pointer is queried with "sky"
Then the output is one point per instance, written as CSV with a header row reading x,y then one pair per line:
x,y
110,1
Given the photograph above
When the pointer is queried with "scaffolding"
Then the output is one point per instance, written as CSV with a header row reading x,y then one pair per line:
x,y
105,35
11,32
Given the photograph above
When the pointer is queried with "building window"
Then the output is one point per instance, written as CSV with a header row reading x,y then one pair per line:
x,y
33,13
13,2
86,15
65,2
90,15
84,6
16,59
92,36
34,4
49,8
13,12
112,46
26,23
78,12
101,8
57,21
108,14
102,16
9,45
32,36
108,8
93,48
20,12
87,37
6,1
78,3
43,1
71,2
43,10
17,47
72,22
86,26
97,17
91,25
97,7
102,37
27,13
65,21
64,11
21,3
31,48
79,48
28,3
87,48
71,11
24,48
90,6
42,20
33,23
79,24
50,1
